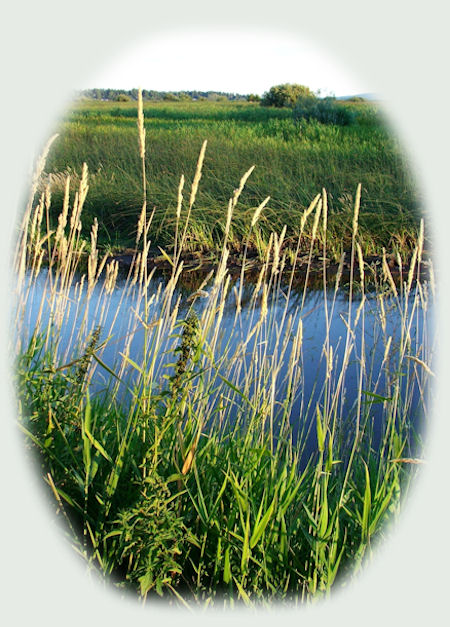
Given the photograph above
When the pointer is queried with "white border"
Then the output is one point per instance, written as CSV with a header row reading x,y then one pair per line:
x,y
402,49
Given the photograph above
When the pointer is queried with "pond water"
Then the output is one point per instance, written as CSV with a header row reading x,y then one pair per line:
x,y
360,381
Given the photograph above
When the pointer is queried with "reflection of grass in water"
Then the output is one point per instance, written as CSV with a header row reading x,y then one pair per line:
x,y
196,489
292,162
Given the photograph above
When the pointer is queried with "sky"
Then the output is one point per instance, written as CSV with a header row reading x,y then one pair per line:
x,y
224,60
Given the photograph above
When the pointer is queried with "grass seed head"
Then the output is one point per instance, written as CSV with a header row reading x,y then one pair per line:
x,y
356,210
198,174
140,124
258,211
180,197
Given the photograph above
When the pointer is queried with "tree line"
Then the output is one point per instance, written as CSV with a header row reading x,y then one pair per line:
x,y
118,95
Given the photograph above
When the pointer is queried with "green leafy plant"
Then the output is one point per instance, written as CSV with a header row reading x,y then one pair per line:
x,y
149,539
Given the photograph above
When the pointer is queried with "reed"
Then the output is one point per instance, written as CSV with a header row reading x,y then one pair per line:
x,y
194,463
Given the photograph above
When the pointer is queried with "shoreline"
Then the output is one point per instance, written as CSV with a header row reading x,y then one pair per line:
x,y
201,264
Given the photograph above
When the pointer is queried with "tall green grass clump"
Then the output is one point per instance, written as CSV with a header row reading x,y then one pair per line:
x,y
293,160
188,472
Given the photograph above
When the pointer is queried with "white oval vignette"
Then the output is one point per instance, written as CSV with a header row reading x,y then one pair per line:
x,y
49,49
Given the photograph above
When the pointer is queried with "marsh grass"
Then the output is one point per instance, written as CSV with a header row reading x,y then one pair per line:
x,y
201,486
293,160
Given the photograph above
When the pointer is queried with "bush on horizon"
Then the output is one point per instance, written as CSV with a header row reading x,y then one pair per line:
x,y
285,95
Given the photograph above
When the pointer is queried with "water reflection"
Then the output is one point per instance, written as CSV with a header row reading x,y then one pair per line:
x,y
329,323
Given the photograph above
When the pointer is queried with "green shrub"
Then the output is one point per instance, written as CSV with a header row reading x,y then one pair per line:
x,y
325,110
285,95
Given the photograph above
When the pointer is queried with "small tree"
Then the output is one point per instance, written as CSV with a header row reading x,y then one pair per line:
x,y
285,95
253,98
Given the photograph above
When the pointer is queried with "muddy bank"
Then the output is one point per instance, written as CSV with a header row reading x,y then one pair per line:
x,y
204,263
197,265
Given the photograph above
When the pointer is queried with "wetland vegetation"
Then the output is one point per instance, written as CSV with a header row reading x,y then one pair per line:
x,y
197,443
294,159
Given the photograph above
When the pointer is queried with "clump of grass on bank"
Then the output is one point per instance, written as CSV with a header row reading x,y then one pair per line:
x,y
193,480
293,159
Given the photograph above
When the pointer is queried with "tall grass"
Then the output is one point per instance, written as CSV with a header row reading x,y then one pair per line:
x,y
293,160
187,473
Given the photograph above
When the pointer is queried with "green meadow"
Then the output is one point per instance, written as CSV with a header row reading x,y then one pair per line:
x,y
293,161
